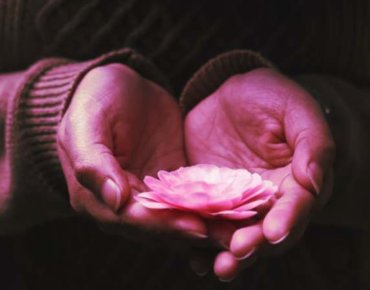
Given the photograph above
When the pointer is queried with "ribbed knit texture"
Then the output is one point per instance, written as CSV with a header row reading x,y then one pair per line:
x,y
298,36
329,36
34,113
216,71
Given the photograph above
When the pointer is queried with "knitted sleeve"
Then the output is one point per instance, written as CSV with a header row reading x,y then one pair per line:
x,y
216,71
32,184
347,110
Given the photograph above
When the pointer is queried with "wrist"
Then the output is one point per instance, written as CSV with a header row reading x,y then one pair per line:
x,y
216,71
34,111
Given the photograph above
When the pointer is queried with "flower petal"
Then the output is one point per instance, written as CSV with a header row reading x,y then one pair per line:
x,y
252,205
191,187
151,203
209,190
195,201
156,185
170,178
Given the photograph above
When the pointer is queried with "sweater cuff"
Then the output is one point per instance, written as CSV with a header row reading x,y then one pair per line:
x,y
216,71
33,116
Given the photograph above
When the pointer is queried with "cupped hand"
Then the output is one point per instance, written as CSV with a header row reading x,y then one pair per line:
x,y
118,128
264,122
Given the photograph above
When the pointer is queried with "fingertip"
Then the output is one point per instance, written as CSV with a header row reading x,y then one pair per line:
x,y
312,162
292,208
245,241
310,176
275,229
129,185
111,194
126,192
300,164
315,177
199,265
221,232
116,192
226,266
190,224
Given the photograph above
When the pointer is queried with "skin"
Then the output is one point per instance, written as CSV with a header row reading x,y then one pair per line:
x,y
265,123
118,128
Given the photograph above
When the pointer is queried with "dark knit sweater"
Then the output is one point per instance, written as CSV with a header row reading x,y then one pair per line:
x,y
177,38
54,43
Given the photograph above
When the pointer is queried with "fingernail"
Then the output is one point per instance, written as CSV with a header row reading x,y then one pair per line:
x,y
250,253
315,181
197,235
226,280
201,272
199,269
224,244
111,194
278,241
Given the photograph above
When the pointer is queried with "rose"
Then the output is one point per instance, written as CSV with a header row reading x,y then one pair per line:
x,y
210,191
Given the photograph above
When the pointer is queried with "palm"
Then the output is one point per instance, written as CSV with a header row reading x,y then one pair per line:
x,y
148,136
267,124
118,128
247,136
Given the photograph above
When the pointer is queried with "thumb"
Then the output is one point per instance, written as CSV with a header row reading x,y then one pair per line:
x,y
86,143
101,173
312,161
311,140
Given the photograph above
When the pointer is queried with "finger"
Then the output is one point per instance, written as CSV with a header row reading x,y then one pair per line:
x,y
184,223
326,191
311,162
292,209
92,207
101,174
226,266
221,232
83,200
200,265
310,137
87,143
246,241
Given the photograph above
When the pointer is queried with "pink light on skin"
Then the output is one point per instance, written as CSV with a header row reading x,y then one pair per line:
x,y
209,190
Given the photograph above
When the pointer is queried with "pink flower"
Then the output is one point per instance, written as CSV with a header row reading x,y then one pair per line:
x,y
209,190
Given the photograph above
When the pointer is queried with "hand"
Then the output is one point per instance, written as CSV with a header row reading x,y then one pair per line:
x,y
118,128
265,123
